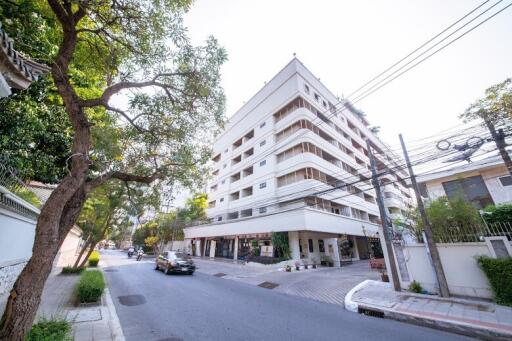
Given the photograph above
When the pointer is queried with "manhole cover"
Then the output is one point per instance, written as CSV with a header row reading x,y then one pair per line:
x,y
131,300
268,285
111,270
220,274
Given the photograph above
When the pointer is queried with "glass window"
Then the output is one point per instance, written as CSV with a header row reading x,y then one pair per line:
x,y
310,245
506,181
221,199
472,189
321,246
306,88
263,124
262,143
263,185
263,163
263,210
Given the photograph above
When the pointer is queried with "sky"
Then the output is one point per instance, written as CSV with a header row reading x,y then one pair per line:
x,y
346,43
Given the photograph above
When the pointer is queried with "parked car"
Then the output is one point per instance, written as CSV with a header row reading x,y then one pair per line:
x,y
175,262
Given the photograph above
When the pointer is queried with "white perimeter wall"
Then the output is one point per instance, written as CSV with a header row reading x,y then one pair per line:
x,y
462,273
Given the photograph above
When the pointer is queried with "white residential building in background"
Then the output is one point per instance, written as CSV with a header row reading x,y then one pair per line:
x,y
291,160
481,182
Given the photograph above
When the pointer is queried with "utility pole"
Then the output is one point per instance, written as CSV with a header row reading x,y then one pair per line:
x,y
499,139
384,221
434,253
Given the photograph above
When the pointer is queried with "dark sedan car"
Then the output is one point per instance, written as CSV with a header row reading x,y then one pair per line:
x,y
175,262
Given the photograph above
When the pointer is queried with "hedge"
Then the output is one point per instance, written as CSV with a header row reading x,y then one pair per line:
x,y
90,286
499,274
50,330
71,270
94,258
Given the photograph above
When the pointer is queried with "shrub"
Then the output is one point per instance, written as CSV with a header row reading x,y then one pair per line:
x,y
94,258
72,270
90,286
50,330
499,273
498,214
265,259
415,287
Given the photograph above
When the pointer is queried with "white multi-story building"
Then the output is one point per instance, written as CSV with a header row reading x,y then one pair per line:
x,y
291,160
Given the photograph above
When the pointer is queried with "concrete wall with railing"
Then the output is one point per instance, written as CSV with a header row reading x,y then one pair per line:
x,y
462,273
17,232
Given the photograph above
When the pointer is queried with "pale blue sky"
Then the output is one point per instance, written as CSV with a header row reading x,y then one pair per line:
x,y
346,43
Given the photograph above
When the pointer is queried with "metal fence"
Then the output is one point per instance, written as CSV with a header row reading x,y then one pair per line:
x,y
468,233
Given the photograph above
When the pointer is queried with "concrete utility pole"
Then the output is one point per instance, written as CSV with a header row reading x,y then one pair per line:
x,y
384,221
434,253
499,139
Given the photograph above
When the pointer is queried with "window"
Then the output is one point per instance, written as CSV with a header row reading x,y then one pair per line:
x,y
306,88
321,246
300,245
246,213
223,181
473,189
219,218
263,210
263,124
262,143
310,245
226,150
263,163
506,180
221,199
317,98
224,166
263,185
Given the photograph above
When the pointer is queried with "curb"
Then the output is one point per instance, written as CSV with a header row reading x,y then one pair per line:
x,y
114,323
462,328
351,305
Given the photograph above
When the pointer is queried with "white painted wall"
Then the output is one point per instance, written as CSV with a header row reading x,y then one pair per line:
x,y
16,237
462,273
499,193
70,248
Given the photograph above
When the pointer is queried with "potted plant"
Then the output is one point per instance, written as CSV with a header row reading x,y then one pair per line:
x,y
305,262
329,261
323,260
384,276
288,268
314,261
297,265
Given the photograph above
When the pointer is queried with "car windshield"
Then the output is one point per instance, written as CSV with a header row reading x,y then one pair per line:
x,y
181,255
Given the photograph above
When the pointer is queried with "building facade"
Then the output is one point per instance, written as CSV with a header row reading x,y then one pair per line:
x,y
482,182
294,160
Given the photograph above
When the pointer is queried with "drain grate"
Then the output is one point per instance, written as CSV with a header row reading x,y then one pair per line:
x,y
220,274
370,312
268,285
132,300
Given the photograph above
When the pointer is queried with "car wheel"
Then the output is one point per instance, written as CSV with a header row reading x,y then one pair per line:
x,y
191,273
167,271
156,267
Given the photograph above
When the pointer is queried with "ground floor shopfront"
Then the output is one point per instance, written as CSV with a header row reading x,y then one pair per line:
x,y
313,236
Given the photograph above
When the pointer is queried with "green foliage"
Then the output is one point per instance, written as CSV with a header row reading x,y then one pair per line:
x,y
28,196
445,215
195,208
495,106
90,286
498,214
281,244
71,270
415,287
94,259
255,248
50,330
499,274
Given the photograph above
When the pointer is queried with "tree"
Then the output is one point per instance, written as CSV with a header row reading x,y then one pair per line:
x,y
446,217
132,48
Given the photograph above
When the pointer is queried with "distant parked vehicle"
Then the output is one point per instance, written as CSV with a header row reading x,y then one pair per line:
x,y
175,262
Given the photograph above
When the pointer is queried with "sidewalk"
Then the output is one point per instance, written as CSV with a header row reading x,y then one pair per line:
x,y
91,323
475,318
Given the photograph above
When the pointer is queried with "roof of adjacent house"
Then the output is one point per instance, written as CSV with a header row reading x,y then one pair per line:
x,y
486,163
19,70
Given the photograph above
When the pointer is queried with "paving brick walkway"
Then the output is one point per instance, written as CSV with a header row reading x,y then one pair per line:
x,y
328,285
472,317
95,323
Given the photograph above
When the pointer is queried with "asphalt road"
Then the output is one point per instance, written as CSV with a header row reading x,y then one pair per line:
x,y
153,306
